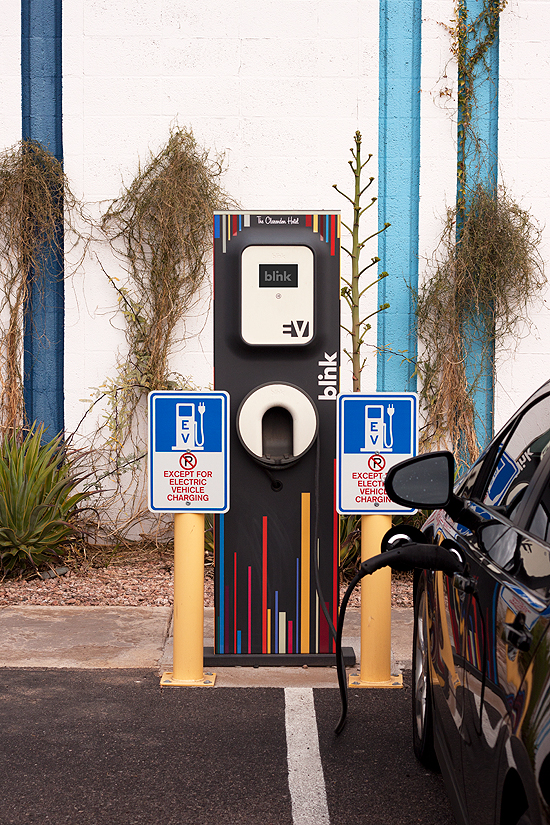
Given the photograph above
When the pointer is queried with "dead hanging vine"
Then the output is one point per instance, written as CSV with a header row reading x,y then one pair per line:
x,y
161,226
471,41
491,275
485,272
36,204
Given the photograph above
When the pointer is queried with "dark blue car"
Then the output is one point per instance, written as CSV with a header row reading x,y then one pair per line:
x,y
481,657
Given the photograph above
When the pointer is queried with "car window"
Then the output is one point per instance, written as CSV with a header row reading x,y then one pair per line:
x,y
504,546
532,565
539,520
519,457
525,558
465,485
540,523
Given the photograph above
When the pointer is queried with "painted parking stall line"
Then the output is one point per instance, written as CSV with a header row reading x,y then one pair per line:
x,y
375,431
188,452
306,780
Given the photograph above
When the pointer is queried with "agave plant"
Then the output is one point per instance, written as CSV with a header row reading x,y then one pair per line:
x,y
37,499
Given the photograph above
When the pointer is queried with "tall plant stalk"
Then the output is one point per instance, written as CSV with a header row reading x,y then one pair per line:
x,y
353,290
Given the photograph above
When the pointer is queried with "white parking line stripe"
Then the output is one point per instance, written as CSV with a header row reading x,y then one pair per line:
x,y
305,771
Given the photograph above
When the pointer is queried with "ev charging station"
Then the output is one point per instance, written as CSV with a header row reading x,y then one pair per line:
x,y
276,353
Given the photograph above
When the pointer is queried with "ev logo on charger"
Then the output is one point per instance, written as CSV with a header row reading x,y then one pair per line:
x,y
297,329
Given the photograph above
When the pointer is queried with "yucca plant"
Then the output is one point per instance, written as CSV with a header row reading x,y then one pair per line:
x,y
37,499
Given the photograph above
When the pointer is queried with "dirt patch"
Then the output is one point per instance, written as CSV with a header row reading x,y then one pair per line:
x,y
141,574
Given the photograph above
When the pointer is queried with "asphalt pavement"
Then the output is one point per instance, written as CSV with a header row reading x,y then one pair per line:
x,y
89,738
110,747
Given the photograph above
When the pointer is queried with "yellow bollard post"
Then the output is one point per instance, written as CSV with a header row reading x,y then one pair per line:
x,y
375,612
188,618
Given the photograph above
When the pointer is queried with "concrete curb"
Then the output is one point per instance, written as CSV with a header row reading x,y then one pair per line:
x,y
140,637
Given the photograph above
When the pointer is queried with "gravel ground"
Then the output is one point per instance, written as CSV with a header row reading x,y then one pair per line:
x,y
144,580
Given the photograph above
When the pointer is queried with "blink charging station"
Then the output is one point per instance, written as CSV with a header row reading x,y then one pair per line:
x,y
276,353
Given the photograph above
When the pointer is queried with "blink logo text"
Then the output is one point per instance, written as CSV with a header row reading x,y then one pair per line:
x,y
327,379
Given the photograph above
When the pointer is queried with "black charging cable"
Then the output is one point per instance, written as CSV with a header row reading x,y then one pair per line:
x,y
277,485
411,554
340,664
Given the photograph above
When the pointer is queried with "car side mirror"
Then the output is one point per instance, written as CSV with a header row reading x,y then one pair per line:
x,y
425,481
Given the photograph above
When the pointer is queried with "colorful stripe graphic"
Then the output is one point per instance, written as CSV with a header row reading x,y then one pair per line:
x,y
297,622
276,621
227,226
265,611
235,601
250,610
305,565
282,633
282,630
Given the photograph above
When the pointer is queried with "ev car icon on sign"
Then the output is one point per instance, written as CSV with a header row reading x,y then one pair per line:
x,y
375,431
378,428
189,426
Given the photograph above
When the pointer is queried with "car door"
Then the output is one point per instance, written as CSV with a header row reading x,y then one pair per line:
x,y
445,617
461,646
453,643
507,572
499,640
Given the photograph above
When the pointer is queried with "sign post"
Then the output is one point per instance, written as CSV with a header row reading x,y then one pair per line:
x,y
188,476
375,431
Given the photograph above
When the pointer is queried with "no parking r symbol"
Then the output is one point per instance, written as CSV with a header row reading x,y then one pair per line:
x,y
377,463
188,461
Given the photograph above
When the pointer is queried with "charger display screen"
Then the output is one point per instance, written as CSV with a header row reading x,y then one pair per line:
x,y
278,275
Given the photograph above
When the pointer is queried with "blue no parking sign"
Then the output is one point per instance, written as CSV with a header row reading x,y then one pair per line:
x,y
375,431
188,452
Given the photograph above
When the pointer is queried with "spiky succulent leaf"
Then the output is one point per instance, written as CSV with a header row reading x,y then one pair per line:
x,y
37,499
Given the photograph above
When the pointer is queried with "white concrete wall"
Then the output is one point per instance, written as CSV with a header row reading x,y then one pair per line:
x,y
10,74
279,87
438,119
524,154
524,161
